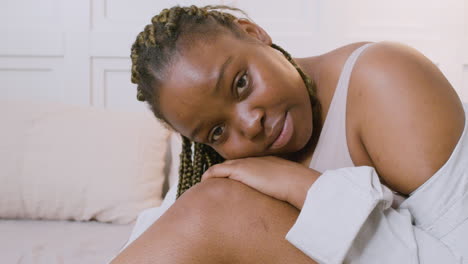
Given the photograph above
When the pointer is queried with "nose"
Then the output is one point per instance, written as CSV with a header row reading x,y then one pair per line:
x,y
250,121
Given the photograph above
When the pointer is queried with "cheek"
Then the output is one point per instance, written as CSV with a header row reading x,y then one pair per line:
x,y
228,151
233,149
223,152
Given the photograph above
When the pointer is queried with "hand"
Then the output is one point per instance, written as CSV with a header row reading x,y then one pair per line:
x,y
279,178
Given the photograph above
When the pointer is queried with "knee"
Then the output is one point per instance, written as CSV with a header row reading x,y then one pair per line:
x,y
228,217
216,204
220,192
222,195
214,197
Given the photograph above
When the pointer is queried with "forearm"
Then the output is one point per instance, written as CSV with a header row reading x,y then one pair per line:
x,y
297,190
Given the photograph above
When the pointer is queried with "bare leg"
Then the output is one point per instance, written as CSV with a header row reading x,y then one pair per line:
x,y
219,221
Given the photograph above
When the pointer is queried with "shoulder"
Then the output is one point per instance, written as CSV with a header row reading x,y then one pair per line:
x,y
326,72
409,116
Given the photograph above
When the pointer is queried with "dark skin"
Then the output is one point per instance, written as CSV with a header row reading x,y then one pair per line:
x,y
403,118
399,105
259,87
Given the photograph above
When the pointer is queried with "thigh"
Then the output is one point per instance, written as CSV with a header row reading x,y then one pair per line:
x,y
219,221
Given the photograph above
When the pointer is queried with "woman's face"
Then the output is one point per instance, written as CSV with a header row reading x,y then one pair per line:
x,y
241,98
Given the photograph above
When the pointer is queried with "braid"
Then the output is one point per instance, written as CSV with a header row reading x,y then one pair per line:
x,y
152,52
159,37
185,167
191,170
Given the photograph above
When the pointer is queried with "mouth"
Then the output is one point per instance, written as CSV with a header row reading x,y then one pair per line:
x,y
282,132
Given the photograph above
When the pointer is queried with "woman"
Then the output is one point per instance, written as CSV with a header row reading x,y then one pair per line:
x,y
318,149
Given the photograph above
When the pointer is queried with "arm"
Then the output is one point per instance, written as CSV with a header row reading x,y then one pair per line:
x,y
410,118
347,218
410,121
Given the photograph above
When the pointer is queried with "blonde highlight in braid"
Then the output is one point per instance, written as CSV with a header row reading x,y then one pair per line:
x,y
155,48
192,168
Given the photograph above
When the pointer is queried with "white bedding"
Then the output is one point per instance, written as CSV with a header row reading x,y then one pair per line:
x,y
60,242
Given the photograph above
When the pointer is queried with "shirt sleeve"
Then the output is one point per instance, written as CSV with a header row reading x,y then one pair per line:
x,y
347,218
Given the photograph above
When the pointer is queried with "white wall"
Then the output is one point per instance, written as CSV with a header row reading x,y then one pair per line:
x,y
78,51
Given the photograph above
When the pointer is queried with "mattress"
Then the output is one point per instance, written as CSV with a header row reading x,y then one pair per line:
x,y
54,242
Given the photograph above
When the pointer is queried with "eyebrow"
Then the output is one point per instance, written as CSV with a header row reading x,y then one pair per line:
x,y
219,81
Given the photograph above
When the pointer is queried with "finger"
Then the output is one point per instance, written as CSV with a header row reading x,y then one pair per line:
x,y
217,171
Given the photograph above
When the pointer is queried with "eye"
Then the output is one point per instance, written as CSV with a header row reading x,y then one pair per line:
x,y
216,134
242,84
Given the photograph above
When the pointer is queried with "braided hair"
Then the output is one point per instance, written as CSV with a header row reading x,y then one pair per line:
x,y
153,51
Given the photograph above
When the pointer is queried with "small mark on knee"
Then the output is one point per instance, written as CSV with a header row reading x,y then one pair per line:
x,y
264,224
260,224
257,223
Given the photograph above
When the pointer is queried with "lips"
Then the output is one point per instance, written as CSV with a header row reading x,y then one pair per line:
x,y
282,132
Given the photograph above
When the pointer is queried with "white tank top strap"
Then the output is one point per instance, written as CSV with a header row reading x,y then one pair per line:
x,y
332,148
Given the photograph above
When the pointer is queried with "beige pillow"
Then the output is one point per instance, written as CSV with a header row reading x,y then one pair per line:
x,y
79,163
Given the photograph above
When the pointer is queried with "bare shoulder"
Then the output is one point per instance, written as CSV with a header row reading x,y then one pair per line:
x,y
409,116
329,68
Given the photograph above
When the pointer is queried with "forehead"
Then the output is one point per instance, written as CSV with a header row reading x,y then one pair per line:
x,y
186,93
203,54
